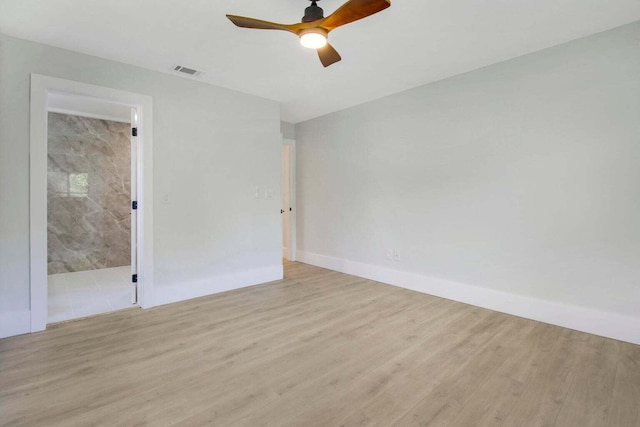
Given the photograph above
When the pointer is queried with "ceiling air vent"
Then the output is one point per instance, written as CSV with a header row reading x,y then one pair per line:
x,y
185,70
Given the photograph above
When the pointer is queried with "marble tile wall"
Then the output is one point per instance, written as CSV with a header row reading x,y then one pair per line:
x,y
88,194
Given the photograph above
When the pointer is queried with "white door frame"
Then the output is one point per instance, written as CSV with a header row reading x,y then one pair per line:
x,y
134,196
291,245
41,87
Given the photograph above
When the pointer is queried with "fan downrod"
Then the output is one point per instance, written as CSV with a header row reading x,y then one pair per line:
x,y
313,12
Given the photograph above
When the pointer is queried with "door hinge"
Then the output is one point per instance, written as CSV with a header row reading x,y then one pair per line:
x,y
134,131
134,205
134,278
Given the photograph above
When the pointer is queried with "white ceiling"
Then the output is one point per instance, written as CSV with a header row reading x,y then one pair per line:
x,y
407,45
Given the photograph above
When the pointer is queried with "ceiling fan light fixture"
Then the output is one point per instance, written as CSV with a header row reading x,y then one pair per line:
x,y
313,38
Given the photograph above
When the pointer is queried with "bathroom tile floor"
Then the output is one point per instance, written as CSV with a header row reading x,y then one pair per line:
x,y
85,293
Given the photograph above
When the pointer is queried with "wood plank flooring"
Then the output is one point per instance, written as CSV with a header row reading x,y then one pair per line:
x,y
319,348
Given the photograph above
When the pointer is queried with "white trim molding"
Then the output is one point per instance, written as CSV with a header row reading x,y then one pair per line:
x,y
584,319
167,294
90,115
41,88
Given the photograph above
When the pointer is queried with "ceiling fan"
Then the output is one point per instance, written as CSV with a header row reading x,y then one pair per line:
x,y
314,28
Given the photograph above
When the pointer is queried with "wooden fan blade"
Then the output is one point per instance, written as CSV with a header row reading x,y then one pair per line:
x,y
244,22
328,55
352,11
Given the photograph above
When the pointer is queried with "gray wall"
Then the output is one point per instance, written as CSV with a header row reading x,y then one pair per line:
x,y
212,147
522,177
288,130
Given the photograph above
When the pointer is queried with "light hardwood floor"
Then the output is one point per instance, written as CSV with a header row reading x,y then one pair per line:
x,y
318,348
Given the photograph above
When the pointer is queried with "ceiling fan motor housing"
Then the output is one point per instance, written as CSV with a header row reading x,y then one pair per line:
x,y
312,13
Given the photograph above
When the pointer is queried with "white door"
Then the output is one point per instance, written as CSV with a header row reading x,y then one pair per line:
x,y
134,210
286,202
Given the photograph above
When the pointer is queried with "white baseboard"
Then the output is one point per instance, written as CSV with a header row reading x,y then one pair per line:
x,y
187,290
15,323
603,323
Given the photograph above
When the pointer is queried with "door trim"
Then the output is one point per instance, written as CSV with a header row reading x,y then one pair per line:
x,y
41,87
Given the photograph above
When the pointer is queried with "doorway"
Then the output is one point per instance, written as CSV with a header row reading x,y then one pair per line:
x,y
91,184
288,200
72,184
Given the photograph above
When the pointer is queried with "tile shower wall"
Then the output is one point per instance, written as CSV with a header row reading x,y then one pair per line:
x,y
89,193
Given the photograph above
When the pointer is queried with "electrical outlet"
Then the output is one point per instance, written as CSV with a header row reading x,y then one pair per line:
x,y
389,254
256,192
396,256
